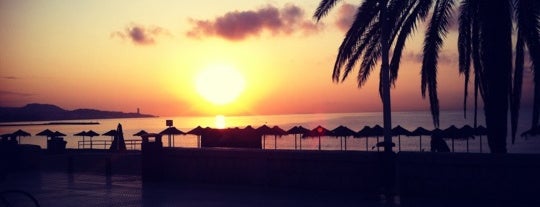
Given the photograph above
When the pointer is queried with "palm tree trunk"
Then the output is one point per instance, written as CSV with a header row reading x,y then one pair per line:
x,y
496,57
385,78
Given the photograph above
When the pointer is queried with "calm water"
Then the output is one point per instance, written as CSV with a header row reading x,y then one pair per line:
x,y
355,121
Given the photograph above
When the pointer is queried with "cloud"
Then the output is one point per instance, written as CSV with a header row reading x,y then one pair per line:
x,y
239,25
10,77
345,16
12,93
445,57
141,35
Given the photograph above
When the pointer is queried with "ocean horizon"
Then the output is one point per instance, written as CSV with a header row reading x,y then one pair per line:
x,y
355,121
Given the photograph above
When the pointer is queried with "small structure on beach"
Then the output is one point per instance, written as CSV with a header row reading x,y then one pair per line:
x,y
231,137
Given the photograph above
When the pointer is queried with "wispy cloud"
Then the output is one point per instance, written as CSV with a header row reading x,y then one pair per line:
x,y
13,93
141,35
447,58
345,16
239,25
10,77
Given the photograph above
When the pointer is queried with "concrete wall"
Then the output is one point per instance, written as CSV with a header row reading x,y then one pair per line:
x,y
351,171
509,177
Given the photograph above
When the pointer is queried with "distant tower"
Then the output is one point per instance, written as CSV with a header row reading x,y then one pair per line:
x,y
138,111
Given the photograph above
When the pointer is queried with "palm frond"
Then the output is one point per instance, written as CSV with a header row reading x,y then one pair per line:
x,y
434,35
515,96
419,11
324,7
366,15
369,60
371,37
528,21
464,48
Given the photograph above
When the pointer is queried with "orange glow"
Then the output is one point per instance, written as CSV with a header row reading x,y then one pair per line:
x,y
220,122
219,84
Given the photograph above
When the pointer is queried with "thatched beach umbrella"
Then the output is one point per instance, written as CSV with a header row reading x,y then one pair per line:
x,y
398,130
58,134
171,131
140,133
110,133
20,133
277,131
91,134
46,133
264,130
81,134
451,132
365,132
344,132
480,131
319,131
420,131
199,131
466,132
297,130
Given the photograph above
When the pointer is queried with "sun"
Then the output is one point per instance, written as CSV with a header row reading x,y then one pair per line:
x,y
220,84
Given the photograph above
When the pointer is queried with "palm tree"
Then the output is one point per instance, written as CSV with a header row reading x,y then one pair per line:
x,y
378,26
485,38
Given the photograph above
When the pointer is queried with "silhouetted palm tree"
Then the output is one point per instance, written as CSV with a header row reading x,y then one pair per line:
x,y
378,26
485,38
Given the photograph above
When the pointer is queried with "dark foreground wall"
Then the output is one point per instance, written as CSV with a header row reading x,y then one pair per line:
x,y
508,177
328,170
106,163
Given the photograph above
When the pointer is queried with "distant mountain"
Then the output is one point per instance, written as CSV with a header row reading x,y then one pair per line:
x,y
48,112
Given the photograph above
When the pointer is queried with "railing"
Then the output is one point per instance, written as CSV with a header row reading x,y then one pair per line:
x,y
105,144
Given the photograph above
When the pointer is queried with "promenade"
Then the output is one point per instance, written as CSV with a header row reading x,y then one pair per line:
x,y
87,189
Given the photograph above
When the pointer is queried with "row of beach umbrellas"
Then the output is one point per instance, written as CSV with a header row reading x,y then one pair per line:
x,y
343,132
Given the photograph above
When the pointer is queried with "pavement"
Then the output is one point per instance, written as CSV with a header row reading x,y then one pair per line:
x,y
78,189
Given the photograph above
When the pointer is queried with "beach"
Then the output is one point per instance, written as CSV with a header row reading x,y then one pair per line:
x,y
355,121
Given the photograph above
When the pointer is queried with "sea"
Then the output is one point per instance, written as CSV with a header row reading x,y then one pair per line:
x,y
355,121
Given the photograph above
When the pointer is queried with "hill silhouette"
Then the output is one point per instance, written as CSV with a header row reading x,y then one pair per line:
x,y
49,112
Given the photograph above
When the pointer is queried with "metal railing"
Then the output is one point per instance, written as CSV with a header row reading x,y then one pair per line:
x,y
132,144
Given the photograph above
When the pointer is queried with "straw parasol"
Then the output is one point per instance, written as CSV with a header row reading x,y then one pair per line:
x,y
199,131
297,130
319,131
466,132
47,133
91,134
365,132
111,133
277,131
171,131
81,134
344,132
58,134
398,130
451,132
480,131
420,131
140,133
264,130
20,133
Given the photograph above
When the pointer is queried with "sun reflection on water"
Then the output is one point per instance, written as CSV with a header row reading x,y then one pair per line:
x,y
220,122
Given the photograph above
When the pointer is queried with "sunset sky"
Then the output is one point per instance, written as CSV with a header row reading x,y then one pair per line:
x,y
127,54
